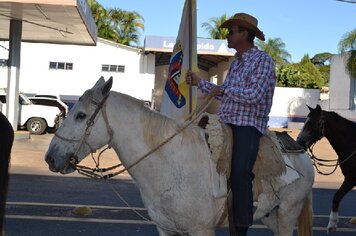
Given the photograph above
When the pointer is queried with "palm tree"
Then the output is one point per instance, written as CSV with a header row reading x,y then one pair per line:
x,y
213,27
127,25
116,24
275,48
347,46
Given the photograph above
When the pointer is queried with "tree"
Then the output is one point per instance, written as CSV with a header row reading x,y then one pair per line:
x,y
347,47
116,24
303,74
322,62
126,25
213,27
320,59
276,49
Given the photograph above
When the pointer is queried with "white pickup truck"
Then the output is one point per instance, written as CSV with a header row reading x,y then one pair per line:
x,y
35,118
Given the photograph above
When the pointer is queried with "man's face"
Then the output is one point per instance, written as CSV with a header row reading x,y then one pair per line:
x,y
235,37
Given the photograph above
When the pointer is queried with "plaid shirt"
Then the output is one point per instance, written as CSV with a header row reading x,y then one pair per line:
x,y
247,90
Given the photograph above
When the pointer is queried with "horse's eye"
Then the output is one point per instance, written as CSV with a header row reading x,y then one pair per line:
x,y
80,116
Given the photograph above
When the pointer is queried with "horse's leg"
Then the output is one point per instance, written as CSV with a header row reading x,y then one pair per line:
x,y
162,232
205,232
346,187
271,221
287,216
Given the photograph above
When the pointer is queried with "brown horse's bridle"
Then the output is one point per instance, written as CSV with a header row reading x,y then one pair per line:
x,y
73,160
317,162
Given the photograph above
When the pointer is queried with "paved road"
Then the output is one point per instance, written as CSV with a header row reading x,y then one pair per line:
x,y
42,203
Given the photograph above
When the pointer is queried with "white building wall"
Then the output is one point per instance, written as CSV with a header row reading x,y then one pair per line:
x,y
140,80
36,77
341,89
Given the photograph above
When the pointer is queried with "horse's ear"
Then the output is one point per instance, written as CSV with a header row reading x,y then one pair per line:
x,y
107,86
318,108
99,82
310,109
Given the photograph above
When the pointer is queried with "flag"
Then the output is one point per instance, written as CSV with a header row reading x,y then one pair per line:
x,y
175,98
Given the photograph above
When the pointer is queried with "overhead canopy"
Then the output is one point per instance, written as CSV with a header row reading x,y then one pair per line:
x,y
210,51
205,61
50,21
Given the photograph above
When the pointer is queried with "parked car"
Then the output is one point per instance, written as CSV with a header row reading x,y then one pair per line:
x,y
35,118
51,100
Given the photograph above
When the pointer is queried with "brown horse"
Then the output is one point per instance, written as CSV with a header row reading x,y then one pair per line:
x,y
341,134
6,140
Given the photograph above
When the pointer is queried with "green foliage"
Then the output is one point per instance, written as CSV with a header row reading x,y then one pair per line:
x,y
321,59
322,62
347,46
303,74
276,49
117,25
325,74
213,27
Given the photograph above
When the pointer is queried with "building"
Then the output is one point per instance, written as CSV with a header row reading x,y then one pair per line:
x,y
342,95
68,70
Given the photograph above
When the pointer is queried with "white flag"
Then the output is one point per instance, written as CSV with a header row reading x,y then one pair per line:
x,y
175,99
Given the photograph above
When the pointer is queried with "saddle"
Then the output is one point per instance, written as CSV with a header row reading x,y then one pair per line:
x,y
270,166
269,163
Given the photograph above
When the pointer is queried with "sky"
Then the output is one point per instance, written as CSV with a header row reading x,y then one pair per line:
x,y
305,26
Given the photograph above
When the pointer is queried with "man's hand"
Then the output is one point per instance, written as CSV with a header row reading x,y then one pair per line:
x,y
192,78
216,91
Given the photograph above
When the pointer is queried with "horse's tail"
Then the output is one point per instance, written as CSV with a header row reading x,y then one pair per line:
x,y
6,140
305,219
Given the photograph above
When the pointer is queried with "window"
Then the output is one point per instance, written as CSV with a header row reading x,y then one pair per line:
x,y
113,68
60,65
3,98
3,62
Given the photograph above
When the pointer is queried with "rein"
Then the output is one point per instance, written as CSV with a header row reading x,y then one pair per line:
x,y
73,161
188,121
92,172
317,162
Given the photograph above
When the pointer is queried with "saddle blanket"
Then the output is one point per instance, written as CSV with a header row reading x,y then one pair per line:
x,y
219,181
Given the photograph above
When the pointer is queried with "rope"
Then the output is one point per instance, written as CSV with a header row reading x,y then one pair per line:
x,y
188,120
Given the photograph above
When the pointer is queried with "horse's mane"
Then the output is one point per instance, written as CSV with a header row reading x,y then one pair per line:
x,y
153,118
156,126
338,119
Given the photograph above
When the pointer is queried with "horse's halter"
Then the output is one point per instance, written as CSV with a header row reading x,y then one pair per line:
x,y
317,162
100,106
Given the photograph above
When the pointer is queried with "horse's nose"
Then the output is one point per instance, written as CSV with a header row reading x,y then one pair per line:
x,y
51,163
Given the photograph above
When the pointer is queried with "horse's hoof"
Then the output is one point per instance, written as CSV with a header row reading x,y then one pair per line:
x,y
331,230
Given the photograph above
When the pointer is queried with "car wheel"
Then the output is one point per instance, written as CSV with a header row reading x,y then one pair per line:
x,y
36,126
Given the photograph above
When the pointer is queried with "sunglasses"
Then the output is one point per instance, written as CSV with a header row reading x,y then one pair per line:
x,y
231,32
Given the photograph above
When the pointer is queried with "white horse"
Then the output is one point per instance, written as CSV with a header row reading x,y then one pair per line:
x,y
174,181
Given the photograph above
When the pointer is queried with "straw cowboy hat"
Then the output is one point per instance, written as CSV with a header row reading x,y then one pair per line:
x,y
246,21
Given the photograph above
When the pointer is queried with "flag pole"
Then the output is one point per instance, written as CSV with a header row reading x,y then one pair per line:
x,y
190,53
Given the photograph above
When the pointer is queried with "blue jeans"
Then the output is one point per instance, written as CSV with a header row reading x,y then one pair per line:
x,y
246,140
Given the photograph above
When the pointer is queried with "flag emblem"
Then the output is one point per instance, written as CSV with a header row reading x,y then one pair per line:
x,y
174,73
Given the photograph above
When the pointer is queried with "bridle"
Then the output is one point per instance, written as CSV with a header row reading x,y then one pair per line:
x,y
93,172
73,160
317,162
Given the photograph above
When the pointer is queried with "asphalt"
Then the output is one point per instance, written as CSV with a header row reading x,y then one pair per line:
x,y
41,202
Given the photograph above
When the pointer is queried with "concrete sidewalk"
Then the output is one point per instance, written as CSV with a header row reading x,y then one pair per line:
x,y
28,158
